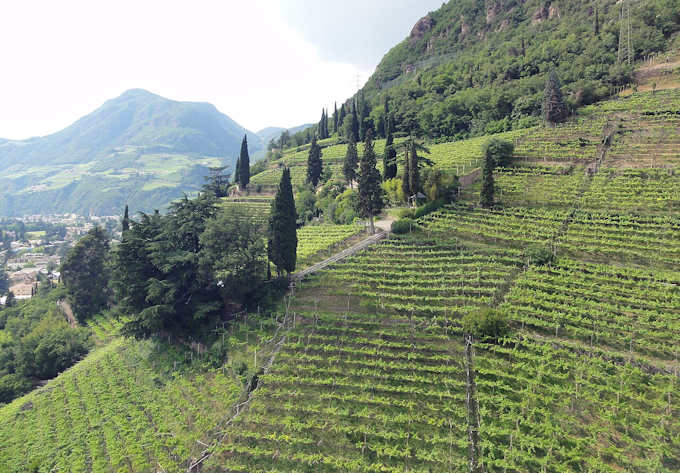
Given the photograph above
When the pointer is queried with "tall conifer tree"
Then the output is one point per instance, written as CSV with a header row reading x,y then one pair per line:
x,y
282,235
335,118
341,119
553,107
314,163
371,195
355,123
406,178
390,156
244,164
126,219
349,166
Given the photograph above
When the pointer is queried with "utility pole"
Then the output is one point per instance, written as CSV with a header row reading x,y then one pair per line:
x,y
625,34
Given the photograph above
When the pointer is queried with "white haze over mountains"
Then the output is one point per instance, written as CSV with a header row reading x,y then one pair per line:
x,y
262,62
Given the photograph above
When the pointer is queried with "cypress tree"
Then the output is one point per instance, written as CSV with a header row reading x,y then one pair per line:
x,y
406,177
554,108
126,220
355,123
320,127
341,118
487,193
390,156
237,174
349,166
335,118
314,163
371,201
244,165
414,167
282,235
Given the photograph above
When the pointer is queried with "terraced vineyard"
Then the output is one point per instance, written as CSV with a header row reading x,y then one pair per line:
x,y
126,407
315,240
374,373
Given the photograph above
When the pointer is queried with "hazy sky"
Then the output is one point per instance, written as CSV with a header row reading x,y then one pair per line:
x,y
262,62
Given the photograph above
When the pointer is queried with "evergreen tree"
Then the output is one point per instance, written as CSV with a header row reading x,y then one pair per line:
x,y
244,164
335,118
371,200
349,167
390,156
341,119
84,274
406,178
355,123
282,235
554,108
487,193
321,126
314,163
237,173
126,220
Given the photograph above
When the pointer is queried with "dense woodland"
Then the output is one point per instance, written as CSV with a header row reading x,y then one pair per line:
x,y
473,68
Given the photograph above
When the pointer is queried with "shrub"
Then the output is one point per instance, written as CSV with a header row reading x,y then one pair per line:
x,y
428,208
538,255
403,226
485,323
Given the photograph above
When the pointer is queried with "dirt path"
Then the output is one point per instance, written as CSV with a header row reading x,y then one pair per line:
x,y
365,243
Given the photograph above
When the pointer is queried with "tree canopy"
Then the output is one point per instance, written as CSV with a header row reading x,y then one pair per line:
x,y
371,199
314,164
244,164
85,275
282,234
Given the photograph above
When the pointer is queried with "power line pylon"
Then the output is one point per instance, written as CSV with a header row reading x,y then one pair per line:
x,y
625,41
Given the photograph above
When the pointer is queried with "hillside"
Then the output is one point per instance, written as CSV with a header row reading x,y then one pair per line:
x,y
365,369
476,67
138,148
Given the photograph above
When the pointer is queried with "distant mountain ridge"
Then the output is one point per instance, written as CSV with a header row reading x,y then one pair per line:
x,y
138,148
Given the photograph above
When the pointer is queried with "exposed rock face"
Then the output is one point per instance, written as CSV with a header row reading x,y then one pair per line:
x,y
504,25
553,12
424,25
492,11
464,27
540,15
546,12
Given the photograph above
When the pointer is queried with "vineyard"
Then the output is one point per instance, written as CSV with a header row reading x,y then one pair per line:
x,y
372,371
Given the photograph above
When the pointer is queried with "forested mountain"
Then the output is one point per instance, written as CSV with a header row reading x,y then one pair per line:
x,y
138,148
476,67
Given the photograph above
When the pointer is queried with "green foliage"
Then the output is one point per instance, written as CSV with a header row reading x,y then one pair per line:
x,y
314,164
467,71
306,205
438,184
37,344
499,151
244,164
233,255
343,209
371,196
394,190
282,234
538,255
157,279
85,275
403,226
553,107
349,166
485,323
4,282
